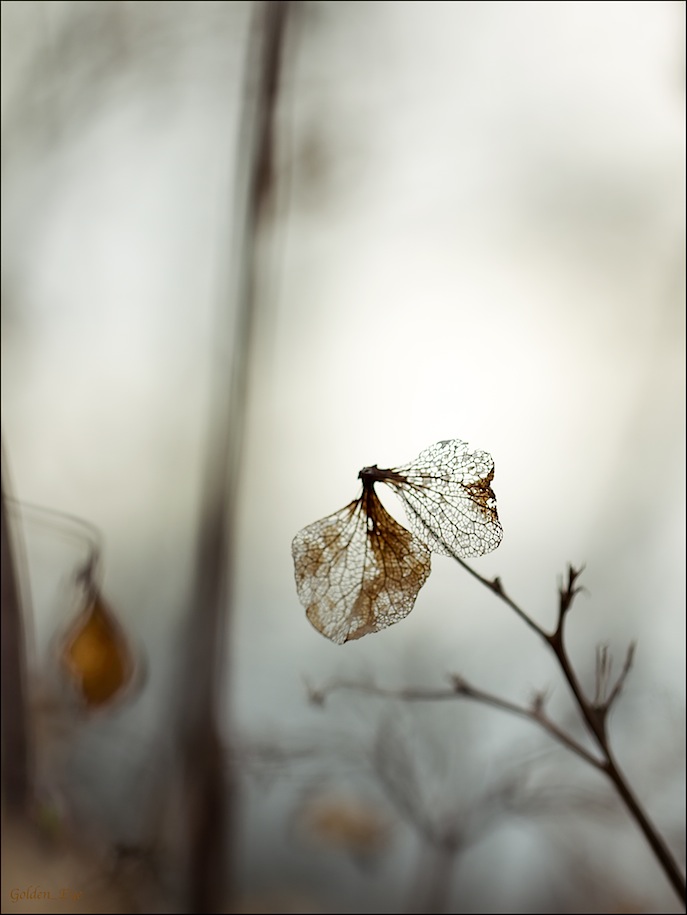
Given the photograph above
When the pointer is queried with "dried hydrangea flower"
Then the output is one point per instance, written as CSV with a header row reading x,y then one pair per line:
x,y
359,570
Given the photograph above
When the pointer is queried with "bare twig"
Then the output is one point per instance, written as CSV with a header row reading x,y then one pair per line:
x,y
603,672
627,667
496,586
568,593
463,689
448,831
594,713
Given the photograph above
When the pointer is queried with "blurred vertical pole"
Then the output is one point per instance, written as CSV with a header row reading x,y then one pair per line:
x,y
209,782
436,875
15,742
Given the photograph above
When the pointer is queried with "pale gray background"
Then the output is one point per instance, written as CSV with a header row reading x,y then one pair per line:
x,y
481,236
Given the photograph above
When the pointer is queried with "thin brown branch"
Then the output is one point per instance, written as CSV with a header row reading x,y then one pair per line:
x,y
461,689
596,721
567,593
620,682
603,672
595,716
496,586
535,713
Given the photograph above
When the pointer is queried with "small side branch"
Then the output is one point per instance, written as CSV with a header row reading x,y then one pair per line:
x,y
620,682
496,586
567,593
461,689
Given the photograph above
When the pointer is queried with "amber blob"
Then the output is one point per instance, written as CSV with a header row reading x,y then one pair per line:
x,y
97,656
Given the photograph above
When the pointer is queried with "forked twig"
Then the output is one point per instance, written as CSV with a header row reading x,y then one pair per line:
x,y
594,713
620,682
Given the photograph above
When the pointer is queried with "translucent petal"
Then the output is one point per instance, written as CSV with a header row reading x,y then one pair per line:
x,y
358,571
447,495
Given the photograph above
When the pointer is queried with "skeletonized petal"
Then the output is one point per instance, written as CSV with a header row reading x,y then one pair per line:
x,y
448,498
358,570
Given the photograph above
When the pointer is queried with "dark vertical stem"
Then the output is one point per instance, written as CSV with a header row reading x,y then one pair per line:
x,y
651,834
437,877
597,726
15,741
210,793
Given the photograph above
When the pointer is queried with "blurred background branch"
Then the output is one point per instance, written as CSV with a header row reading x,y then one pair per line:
x,y
210,781
16,784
